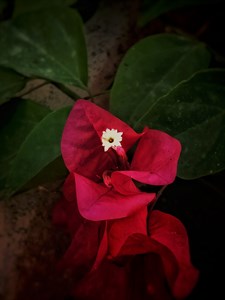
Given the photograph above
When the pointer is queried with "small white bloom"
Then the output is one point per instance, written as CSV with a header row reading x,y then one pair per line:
x,y
111,138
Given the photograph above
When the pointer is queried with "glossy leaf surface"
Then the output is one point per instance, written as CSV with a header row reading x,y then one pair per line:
x,y
150,69
194,112
17,119
41,147
10,83
46,43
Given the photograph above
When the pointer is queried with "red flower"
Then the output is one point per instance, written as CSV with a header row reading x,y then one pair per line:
x,y
106,213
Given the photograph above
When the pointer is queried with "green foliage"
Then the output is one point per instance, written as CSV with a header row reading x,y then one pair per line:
x,y
46,43
150,69
164,82
10,83
17,119
40,149
194,112
152,88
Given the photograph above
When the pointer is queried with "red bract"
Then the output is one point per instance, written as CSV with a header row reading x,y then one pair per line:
x,y
105,211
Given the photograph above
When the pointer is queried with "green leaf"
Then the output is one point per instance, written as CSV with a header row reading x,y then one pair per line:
x,y
154,8
46,43
17,118
10,83
23,6
194,112
55,170
41,147
150,69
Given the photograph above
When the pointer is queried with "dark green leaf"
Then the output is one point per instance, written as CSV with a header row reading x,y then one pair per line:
x,y
47,43
151,9
41,147
194,112
150,69
10,83
17,118
54,171
23,6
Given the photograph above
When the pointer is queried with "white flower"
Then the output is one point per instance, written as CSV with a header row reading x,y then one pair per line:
x,y
111,138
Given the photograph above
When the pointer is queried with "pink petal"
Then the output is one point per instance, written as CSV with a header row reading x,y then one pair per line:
x,y
102,250
170,232
69,188
88,245
81,144
136,278
67,215
168,239
81,254
98,202
123,184
65,212
108,282
155,160
121,229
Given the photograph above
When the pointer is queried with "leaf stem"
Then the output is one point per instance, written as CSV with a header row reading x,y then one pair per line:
x,y
67,91
96,95
34,88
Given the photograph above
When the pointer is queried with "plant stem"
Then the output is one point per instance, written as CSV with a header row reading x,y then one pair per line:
x,y
67,91
34,88
96,95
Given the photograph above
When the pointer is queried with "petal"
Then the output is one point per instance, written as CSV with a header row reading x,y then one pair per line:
x,y
140,277
87,245
65,212
155,160
109,282
98,202
168,239
102,250
81,144
123,184
121,229
69,188
81,254
170,232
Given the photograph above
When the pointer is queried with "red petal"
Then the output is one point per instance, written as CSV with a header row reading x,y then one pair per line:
x,y
168,239
108,282
98,202
81,254
65,211
155,160
81,144
170,232
69,188
102,250
85,239
138,278
121,229
123,184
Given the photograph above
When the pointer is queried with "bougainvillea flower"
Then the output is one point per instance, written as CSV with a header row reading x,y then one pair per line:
x,y
161,271
103,175
104,209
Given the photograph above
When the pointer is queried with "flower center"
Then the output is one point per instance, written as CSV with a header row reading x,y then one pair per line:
x,y
111,138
